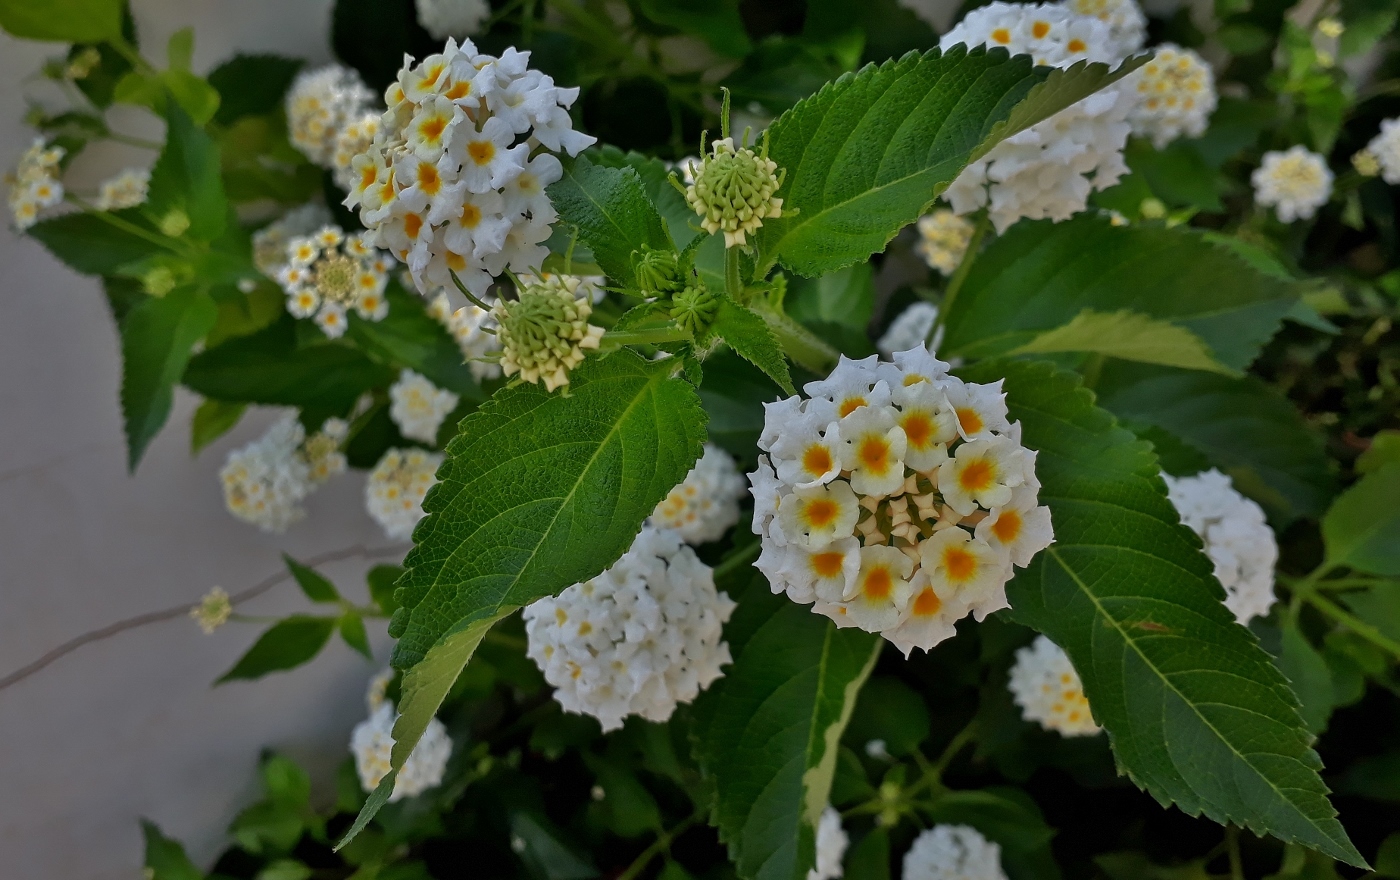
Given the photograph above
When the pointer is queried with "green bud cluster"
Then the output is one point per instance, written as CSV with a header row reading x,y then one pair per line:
x,y
694,309
658,272
544,333
734,191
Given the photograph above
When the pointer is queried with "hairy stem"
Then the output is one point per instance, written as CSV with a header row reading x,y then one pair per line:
x,y
645,336
467,293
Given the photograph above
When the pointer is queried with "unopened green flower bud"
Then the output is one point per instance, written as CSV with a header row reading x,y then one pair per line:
x,y
694,309
175,223
544,333
1152,209
82,64
1366,163
658,273
158,281
735,191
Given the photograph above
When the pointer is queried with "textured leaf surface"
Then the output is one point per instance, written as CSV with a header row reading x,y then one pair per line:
x,y
1362,528
870,152
90,245
1131,336
1195,710
186,178
312,582
250,85
751,339
410,337
612,212
67,21
1240,425
540,491
157,336
287,644
767,733
1041,275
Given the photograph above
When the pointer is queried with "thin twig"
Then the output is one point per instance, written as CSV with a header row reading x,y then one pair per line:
x,y
183,610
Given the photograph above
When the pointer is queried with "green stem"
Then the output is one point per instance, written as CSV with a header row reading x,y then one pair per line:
x,y
1346,618
955,745
1232,848
662,844
645,336
1093,366
955,283
738,559
126,226
467,293
133,57
803,346
733,285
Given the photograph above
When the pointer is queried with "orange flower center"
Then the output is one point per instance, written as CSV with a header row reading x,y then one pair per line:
x,y
432,128
455,262
926,604
368,177
821,512
959,564
429,181
1040,29
850,405
918,428
977,476
481,152
412,225
969,419
875,454
827,564
817,459
1001,35
471,215
1076,45
878,583
459,90
1007,526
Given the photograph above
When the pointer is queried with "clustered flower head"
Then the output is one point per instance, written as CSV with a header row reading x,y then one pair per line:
x,y
327,273
265,481
831,846
735,190
34,185
1384,151
1295,182
706,503
454,183
1048,690
418,407
355,138
943,240
126,190
1127,25
1175,96
396,487
452,18
1237,538
545,332
319,105
270,242
638,639
213,611
896,498
473,329
909,329
372,744
1049,169
953,852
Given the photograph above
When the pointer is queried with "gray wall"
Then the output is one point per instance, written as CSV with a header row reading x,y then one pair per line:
x,y
129,727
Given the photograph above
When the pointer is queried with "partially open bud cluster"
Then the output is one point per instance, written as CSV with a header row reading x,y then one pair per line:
x,y
658,272
735,190
694,309
897,498
545,332
328,273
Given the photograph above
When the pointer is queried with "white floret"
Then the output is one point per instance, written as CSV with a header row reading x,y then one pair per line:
x,y
1386,149
319,105
1294,182
910,329
372,743
1046,687
639,639
418,407
943,240
452,18
1175,95
1126,22
265,481
1237,539
126,190
396,487
953,852
831,847
706,503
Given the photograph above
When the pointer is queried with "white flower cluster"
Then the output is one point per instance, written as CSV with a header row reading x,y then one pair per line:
x,y
910,329
452,18
327,273
897,498
1295,182
474,331
1175,96
706,503
34,185
418,407
265,481
270,242
1048,690
450,185
372,744
943,240
1049,169
1385,147
953,852
831,847
355,138
638,639
1237,538
1127,25
319,105
396,487
126,190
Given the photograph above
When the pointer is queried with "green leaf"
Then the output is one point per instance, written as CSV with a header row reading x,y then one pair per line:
x,y
381,580
892,712
1379,606
409,337
768,733
212,420
613,215
165,858
157,337
1040,275
716,21
1362,528
1306,669
66,21
192,93
1388,856
544,853
285,869
540,491
352,630
1195,710
629,808
286,783
186,178
1384,449
751,339
287,644
315,586
1242,426
88,244
870,152
268,367
870,858
1131,336
252,85
845,297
